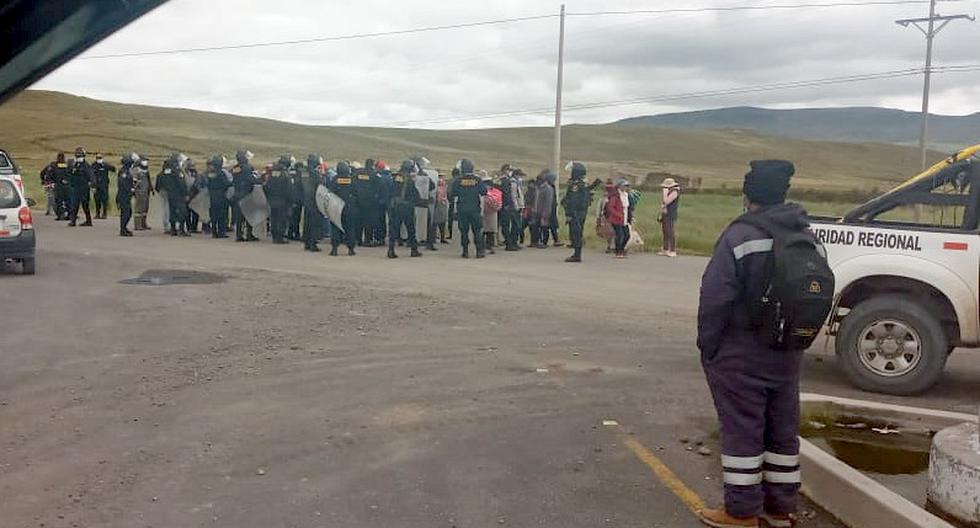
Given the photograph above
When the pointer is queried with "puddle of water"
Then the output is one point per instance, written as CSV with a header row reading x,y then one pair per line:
x,y
899,461
166,277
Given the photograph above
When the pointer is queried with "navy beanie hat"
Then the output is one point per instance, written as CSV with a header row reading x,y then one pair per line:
x,y
768,181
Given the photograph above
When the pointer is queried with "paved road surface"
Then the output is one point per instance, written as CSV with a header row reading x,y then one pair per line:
x,y
305,390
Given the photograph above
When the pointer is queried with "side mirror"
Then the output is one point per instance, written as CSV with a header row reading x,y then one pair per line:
x,y
31,202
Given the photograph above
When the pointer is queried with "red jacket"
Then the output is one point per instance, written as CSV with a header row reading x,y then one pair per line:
x,y
615,209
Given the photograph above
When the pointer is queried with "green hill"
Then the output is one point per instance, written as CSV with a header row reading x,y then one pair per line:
x,y
36,124
883,125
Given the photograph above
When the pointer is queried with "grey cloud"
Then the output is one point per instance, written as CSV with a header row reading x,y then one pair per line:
x,y
492,69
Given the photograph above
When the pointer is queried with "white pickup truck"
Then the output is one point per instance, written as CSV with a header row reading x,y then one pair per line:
x,y
907,291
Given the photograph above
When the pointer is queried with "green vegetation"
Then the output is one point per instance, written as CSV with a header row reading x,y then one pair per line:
x,y
831,177
702,217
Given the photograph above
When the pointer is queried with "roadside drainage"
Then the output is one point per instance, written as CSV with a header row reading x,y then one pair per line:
x,y
867,463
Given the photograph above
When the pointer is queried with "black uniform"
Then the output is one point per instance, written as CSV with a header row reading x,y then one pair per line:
x,y
312,220
55,177
124,200
509,216
100,177
295,207
279,192
343,186
218,183
244,180
366,185
172,182
80,181
403,196
467,190
576,203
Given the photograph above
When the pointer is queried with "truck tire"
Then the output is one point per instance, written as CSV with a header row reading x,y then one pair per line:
x,y
27,266
892,344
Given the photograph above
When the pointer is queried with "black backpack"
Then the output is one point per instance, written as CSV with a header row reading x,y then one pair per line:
x,y
793,306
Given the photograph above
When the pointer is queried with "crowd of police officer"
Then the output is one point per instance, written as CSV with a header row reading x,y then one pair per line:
x,y
379,205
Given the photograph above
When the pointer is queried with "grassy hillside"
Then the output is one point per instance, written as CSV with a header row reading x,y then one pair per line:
x,y
883,125
36,124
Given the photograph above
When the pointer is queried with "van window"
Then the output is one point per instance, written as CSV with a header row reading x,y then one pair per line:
x,y
9,199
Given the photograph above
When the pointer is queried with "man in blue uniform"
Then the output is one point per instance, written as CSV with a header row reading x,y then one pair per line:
x,y
755,387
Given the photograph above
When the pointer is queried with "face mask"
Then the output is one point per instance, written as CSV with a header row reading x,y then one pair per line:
x,y
79,160
99,161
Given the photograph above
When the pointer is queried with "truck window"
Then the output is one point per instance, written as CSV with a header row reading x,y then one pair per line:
x,y
945,199
944,207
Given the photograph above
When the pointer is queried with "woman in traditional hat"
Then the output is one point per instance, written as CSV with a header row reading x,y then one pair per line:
x,y
668,216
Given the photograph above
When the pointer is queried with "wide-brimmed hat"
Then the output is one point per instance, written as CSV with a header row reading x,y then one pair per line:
x,y
669,183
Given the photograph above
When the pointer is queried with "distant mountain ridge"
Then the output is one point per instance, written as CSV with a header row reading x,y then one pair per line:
x,y
881,125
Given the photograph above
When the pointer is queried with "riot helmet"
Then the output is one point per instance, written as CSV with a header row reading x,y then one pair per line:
x,y
578,170
244,156
465,167
343,169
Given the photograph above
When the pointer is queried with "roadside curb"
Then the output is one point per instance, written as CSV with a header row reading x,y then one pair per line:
x,y
854,498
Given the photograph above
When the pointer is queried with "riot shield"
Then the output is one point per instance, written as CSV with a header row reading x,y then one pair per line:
x,y
201,204
330,205
255,206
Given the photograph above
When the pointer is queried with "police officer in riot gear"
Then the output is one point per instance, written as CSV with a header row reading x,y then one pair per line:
x,y
80,181
142,189
55,177
244,180
219,181
343,186
125,185
384,184
294,209
172,182
310,179
403,195
467,190
100,182
576,203
366,188
278,190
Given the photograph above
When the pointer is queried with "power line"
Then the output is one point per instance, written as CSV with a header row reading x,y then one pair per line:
x,y
768,7
320,39
696,95
464,25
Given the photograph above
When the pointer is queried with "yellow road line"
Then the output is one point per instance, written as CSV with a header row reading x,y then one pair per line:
x,y
666,476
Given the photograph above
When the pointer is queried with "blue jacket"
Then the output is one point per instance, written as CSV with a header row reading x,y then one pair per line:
x,y
738,270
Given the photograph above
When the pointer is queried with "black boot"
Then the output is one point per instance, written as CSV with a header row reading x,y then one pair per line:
x,y
466,252
415,252
350,252
391,250
333,251
576,256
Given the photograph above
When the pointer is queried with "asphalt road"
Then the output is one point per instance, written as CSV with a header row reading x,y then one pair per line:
x,y
304,390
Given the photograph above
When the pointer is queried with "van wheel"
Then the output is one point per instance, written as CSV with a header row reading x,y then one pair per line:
x,y
27,266
892,344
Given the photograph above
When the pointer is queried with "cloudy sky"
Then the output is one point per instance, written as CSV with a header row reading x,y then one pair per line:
x,y
453,78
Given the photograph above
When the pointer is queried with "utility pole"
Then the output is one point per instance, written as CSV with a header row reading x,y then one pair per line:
x,y
561,67
930,31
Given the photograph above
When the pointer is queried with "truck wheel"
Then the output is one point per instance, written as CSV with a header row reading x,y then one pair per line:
x,y
27,266
892,344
